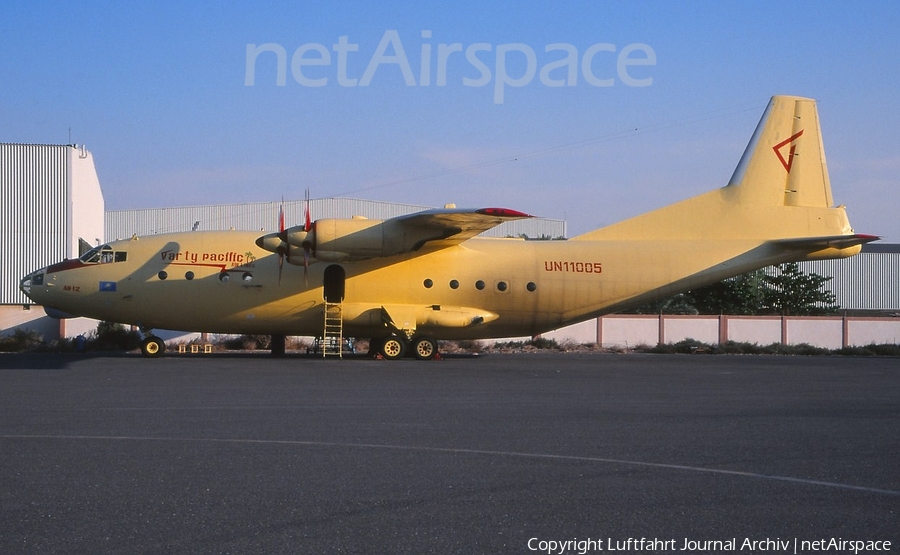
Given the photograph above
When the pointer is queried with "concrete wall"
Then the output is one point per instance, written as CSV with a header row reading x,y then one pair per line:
x,y
33,317
830,332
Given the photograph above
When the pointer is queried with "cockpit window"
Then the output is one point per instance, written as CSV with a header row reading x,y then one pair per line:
x,y
103,254
92,256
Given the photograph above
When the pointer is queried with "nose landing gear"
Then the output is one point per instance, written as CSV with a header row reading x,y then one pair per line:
x,y
152,346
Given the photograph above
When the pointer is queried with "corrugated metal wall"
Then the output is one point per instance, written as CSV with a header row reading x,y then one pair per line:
x,y
33,180
121,224
867,281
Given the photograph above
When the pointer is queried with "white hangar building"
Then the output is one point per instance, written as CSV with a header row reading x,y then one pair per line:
x,y
52,208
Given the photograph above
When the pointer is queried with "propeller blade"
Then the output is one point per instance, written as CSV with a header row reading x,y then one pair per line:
x,y
307,226
280,235
306,267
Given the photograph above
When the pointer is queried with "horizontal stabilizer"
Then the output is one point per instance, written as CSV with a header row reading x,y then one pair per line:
x,y
832,242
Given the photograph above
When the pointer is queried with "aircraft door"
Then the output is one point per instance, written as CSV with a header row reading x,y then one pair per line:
x,y
334,283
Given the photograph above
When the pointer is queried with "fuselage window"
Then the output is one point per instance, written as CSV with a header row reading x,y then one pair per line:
x,y
454,284
121,256
189,276
162,275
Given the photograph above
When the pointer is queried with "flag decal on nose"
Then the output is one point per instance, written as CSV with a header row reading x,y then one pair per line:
x,y
107,286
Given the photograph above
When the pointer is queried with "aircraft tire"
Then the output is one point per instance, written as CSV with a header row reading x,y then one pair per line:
x,y
153,347
424,348
392,348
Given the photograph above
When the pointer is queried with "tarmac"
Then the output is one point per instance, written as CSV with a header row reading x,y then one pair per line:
x,y
526,453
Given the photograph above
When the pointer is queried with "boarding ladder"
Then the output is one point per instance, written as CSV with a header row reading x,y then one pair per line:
x,y
333,338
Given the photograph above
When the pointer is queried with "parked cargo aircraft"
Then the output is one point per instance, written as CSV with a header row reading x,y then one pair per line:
x,y
409,280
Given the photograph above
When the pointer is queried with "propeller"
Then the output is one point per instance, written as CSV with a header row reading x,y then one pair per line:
x,y
288,239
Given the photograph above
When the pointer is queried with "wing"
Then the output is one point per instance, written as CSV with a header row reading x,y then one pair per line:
x,y
451,226
336,239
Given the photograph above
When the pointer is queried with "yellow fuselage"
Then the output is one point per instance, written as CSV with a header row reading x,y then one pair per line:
x,y
221,282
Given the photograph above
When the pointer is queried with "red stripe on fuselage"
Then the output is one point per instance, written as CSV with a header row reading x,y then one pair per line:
x,y
65,265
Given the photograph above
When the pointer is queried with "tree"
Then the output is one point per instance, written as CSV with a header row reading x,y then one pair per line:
x,y
678,304
738,295
789,291
781,289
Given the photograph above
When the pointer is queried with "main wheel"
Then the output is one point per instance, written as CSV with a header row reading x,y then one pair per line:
x,y
425,348
153,346
392,348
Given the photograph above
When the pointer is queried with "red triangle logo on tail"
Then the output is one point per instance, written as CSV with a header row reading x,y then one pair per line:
x,y
790,159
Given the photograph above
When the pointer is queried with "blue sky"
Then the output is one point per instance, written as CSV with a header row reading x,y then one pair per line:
x,y
158,93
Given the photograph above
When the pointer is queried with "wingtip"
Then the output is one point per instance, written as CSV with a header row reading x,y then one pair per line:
x,y
503,213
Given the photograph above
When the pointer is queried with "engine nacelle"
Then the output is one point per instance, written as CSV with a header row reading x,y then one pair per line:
x,y
353,239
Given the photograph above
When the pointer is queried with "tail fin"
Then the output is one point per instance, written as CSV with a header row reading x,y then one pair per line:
x,y
784,163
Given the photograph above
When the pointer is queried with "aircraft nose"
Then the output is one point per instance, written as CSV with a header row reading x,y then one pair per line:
x,y
33,279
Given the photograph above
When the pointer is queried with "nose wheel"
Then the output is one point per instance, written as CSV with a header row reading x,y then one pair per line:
x,y
153,346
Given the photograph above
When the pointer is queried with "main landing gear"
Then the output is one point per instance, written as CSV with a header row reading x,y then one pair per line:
x,y
403,341
424,348
394,347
